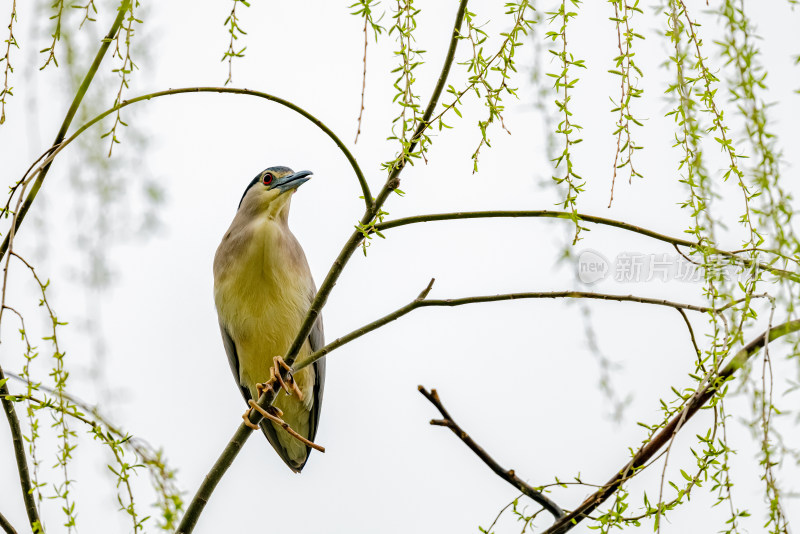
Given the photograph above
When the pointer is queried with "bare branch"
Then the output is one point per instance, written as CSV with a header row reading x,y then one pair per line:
x,y
6,526
507,475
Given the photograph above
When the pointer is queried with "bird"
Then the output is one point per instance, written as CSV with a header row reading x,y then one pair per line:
x,y
263,289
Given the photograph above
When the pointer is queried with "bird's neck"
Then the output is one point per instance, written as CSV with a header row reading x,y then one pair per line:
x,y
277,210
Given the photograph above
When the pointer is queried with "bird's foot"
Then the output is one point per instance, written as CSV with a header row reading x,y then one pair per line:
x,y
288,385
274,414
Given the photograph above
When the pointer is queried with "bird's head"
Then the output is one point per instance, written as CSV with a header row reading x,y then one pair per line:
x,y
269,192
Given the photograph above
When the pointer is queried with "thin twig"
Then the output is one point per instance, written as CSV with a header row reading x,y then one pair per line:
x,y
681,421
124,71
507,475
687,258
777,515
694,340
233,23
497,517
620,120
567,522
11,41
363,80
23,182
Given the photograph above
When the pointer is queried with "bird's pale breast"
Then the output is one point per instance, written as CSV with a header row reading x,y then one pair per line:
x,y
262,304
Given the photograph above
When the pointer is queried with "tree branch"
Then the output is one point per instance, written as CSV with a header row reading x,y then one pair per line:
x,y
422,302
507,475
550,214
48,157
647,450
62,132
267,397
363,78
19,455
6,526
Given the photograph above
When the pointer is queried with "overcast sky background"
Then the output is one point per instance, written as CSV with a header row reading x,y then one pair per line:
x,y
518,376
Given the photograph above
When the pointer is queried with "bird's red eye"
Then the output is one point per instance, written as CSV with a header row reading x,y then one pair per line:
x,y
267,179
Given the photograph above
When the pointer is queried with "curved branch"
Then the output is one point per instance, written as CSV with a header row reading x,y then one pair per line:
x,y
48,157
62,132
567,522
19,455
507,475
551,214
267,397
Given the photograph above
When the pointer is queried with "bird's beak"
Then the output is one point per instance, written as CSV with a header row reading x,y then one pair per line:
x,y
293,181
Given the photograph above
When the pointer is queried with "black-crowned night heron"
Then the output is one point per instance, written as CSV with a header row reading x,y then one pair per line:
x,y
262,290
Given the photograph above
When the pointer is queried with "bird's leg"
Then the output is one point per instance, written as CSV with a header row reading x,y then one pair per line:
x,y
281,423
276,361
246,418
276,413
273,413
290,386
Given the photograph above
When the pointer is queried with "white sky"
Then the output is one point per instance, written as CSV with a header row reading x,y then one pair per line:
x,y
517,376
